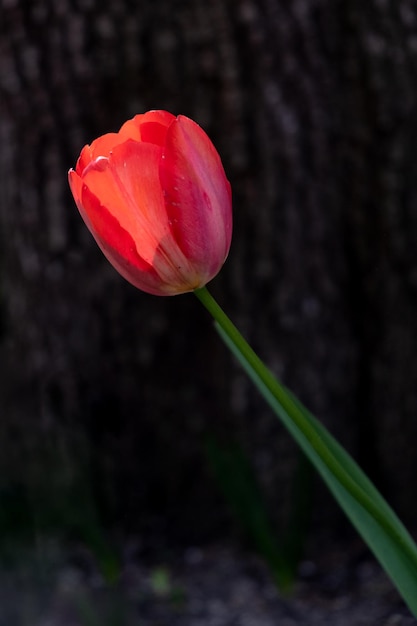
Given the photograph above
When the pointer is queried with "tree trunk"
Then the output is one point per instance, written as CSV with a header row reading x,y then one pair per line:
x,y
312,106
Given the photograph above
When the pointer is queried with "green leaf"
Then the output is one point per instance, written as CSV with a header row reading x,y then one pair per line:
x,y
367,510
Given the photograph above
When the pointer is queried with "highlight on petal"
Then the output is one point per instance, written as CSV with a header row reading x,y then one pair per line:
x,y
119,247
99,147
128,185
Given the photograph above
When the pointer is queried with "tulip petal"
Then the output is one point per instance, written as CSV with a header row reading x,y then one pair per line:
x,y
100,147
197,195
119,247
162,117
76,185
136,169
149,127
127,184
152,132
116,243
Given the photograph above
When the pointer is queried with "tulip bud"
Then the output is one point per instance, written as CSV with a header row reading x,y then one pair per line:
x,y
157,201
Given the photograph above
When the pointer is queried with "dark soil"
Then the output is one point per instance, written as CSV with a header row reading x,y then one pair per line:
x,y
212,586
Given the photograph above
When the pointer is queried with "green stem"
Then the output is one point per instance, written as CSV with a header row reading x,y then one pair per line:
x,y
290,406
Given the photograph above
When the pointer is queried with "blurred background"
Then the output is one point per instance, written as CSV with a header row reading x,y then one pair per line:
x,y
126,426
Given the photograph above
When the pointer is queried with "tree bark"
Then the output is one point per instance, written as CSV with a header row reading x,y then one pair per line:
x,y
312,106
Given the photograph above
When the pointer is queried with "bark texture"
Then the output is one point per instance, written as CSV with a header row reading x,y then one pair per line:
x,y
312,105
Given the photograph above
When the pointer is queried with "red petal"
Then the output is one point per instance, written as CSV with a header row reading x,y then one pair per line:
x,y
161,117
198,197
131,129
118,246
128,185
152,132
154,125
100,147
136,169
140,127
75,183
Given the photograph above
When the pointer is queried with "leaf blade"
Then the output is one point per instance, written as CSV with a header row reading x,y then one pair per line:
x,y
396,550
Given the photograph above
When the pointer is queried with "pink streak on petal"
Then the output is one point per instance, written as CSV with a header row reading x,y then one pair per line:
x,y
198,196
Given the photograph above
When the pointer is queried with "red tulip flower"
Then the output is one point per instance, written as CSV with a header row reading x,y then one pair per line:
x,y
157,201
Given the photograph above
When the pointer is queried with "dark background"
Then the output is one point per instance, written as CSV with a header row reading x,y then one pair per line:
x,y
109,397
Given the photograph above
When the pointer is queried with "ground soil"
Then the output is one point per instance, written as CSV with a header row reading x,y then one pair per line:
x,y
211,586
